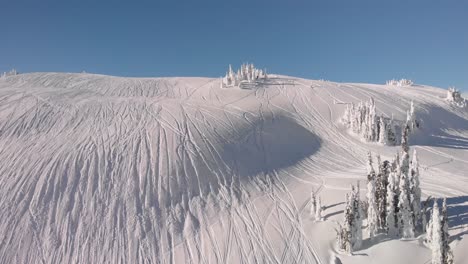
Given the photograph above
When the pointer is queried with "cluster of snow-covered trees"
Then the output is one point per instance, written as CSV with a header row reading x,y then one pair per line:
x,y
9,73
454,96
363,120
394,206
246,74
400,83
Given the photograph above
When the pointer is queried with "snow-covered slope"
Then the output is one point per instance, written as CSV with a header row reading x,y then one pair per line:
x,y
100,169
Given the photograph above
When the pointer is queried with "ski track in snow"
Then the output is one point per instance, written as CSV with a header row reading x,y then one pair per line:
x,y
100,169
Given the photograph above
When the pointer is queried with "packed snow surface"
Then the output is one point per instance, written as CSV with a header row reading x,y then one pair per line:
x,y
101,169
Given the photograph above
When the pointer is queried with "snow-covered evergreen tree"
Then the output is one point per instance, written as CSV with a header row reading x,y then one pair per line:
x,y
318,210
392,202
381,182
369,166
411,118
372,121
391,132
383,131
372,220
358,215
404,138
313,204
436,236
429,225
415,188
404,208
345,242
424,217
447,254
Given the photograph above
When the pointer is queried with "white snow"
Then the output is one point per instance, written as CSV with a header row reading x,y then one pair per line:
x,y
101,169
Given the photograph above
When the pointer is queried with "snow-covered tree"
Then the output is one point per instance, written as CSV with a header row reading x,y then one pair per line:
x,y
415,188
392,203
424,215
383,131
369,166
447,254
372,220
381,182
411,118
358,216
313,203
436,236
318,210
344,232
404,138
404,208
391,132
372,121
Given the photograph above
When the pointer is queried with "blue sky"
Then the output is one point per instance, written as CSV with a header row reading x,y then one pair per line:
x,y
349,41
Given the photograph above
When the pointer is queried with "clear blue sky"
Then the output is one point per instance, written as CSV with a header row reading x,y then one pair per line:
x,y
352,41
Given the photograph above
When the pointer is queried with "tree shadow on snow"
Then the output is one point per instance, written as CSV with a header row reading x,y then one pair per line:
x,y
457,211
327,216
435,125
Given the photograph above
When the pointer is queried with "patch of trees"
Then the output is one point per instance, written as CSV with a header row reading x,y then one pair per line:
x,y
9,73
393,207
363,120
247,74
454,97
400,83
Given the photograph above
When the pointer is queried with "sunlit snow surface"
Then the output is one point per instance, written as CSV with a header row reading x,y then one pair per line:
x,y
100,169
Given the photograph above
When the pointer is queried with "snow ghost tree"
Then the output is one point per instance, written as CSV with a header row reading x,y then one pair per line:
x,y
391,132
318,210
436,236
372,208
392,203
404,208
383,132
369,166
344,232
404,138
447,254
381,182
358,215
313,204
411,118
415,188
